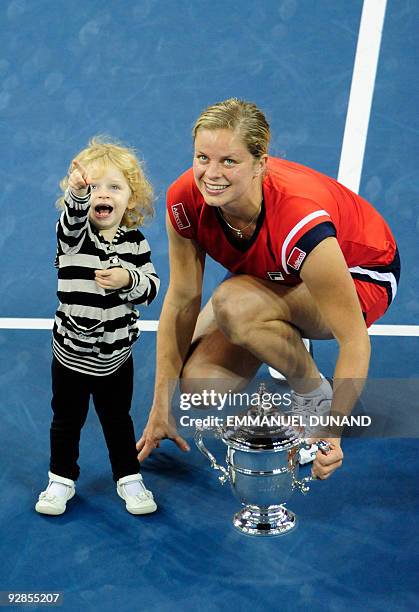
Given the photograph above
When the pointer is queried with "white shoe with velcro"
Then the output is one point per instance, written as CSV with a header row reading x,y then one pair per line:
x,y
53,500
138,499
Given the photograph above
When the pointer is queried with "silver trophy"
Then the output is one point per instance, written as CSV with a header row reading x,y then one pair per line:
x,y
262,468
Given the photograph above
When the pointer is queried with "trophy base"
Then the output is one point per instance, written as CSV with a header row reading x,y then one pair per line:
x,y
270,521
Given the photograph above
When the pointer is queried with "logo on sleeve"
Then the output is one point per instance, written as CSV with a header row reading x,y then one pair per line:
x,y
275,276
180,217
296,258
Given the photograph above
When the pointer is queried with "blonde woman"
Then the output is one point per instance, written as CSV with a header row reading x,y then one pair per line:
x,y
306,258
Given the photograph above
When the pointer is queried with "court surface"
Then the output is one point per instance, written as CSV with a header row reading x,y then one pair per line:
x,y
142,71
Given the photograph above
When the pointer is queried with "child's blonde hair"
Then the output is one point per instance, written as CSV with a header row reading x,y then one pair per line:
x,y
104,152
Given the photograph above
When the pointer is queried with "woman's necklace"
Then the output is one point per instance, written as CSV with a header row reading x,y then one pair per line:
x,y
239,232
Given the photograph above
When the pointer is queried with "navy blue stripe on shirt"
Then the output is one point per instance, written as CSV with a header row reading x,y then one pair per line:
x,y
311,239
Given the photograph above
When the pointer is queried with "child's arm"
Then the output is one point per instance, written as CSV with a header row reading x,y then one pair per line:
x,y
71,227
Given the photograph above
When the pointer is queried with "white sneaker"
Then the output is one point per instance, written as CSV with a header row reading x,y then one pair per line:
x,y
140,503
314,405
317,402
49,502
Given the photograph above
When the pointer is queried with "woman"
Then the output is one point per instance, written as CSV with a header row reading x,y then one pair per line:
x,y
307,257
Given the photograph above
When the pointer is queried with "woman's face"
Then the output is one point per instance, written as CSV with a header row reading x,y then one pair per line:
x,y
224,170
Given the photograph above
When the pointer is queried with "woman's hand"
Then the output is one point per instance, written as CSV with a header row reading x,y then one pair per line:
x,y
326,463
158,428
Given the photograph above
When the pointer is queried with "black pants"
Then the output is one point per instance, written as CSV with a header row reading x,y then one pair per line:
x,y
112,397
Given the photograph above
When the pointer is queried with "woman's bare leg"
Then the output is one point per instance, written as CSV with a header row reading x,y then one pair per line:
x,y
250,321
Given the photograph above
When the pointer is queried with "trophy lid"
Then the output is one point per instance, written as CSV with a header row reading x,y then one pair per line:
x,y
262,427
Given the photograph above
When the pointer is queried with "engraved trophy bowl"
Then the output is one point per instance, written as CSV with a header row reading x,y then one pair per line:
x,y
262,468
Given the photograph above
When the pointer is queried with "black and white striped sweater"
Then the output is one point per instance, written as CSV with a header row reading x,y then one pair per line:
x,y
94,328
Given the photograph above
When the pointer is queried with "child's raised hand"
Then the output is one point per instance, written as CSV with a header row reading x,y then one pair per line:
x,y
78,179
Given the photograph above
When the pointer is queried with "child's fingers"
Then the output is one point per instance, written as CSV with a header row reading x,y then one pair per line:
x,y
77,166
76,181
103,273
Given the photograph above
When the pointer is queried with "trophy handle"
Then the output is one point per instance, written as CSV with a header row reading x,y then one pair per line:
x,y
215,466
302,485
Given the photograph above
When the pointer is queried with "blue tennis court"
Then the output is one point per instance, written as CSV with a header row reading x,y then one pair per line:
x,y
141,72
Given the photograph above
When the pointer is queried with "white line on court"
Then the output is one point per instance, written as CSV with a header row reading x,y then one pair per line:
x,y
374,330
360,97
22,323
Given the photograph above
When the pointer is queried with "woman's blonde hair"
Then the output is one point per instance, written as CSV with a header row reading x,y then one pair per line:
x,y
104,152
242,117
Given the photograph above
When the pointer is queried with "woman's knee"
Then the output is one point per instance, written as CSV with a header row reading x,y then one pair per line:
x,y
231,312
237,312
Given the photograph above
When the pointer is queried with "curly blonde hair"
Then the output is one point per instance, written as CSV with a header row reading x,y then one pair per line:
x,y
104,152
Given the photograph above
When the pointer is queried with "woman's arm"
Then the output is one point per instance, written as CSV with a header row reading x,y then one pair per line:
x,y
176,326
327,277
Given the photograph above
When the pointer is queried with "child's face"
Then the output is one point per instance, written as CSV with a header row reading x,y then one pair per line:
x,y
110,194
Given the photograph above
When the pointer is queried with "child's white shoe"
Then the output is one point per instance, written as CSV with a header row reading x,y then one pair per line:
x,y
138,499
54,499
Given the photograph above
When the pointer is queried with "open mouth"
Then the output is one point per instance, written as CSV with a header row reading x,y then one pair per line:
x,y
103,210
